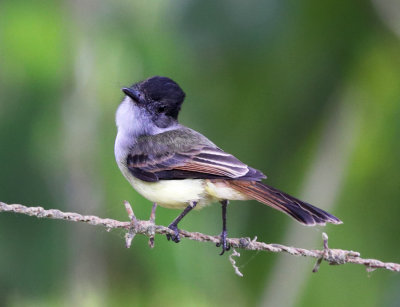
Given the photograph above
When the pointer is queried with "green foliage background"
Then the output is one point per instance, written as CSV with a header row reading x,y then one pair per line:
x,y
307,91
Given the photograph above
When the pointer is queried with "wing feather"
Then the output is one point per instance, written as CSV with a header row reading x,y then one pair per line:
x,y
151,161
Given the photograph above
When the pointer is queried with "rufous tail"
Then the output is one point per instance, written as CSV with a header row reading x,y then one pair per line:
x,y
301,211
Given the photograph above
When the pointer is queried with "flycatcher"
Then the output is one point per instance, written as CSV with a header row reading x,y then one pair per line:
x,y
177,167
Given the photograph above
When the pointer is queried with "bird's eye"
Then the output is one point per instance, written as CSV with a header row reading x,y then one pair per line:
x,y
161,109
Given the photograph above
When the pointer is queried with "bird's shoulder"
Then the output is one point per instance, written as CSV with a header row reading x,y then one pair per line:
x,y
182,139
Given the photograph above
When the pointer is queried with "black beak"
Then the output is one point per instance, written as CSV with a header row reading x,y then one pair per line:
x,y
132,93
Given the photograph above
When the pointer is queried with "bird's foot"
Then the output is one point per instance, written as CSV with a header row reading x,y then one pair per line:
x,y
175,237
225,245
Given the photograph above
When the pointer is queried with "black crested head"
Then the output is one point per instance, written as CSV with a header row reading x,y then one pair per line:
x,y
162,88
160,95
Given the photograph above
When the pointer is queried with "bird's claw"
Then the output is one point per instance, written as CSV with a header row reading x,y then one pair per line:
x,y
225,245
175,237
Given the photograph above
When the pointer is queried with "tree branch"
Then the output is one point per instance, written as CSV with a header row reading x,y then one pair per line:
x,y
149,229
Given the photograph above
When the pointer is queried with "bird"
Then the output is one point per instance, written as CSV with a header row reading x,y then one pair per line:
x,y
177,167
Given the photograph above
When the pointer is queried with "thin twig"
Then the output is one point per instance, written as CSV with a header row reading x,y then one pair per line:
x,y
152,220
148,228
130,235
233,262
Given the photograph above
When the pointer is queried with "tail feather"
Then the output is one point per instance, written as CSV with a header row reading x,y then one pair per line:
x,y
299,210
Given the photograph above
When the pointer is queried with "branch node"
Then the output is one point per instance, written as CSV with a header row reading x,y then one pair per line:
x,y
233,262
130,235
244,242
326,254
325,238
153,213
317,265
152,227
129,210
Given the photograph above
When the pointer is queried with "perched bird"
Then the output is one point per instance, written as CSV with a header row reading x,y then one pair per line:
x,y
177,167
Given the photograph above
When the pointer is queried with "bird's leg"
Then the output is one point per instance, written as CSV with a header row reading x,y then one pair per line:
x,y
174,225
225,245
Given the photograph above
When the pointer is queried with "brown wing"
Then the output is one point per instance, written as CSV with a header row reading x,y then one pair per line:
x,y
203,162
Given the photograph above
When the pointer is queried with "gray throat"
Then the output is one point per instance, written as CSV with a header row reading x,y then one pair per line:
x,y
132,122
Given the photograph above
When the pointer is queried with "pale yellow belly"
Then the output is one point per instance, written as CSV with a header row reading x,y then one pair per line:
x,y
179,193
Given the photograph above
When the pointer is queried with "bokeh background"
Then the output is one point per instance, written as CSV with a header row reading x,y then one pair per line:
x,y
307,91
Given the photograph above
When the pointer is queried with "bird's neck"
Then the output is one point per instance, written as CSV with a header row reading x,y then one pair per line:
x,y
131,120
134,122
